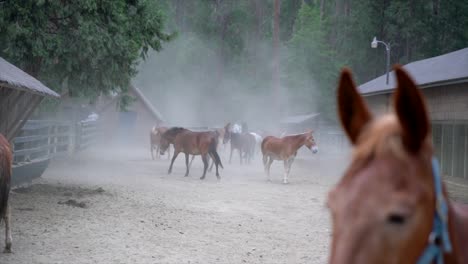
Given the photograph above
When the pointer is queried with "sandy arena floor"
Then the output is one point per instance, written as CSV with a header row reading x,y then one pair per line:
x,y
124,208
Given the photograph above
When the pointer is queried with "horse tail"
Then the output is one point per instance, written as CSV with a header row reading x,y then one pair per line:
x,y
212,150
5,174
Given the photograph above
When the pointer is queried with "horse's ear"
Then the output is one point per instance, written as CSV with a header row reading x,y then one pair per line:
x,y
411,111
352,109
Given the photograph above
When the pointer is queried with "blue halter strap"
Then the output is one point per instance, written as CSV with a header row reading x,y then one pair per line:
x,y
439,241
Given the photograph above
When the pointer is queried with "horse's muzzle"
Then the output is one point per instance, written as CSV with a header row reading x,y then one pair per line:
x,y
314,149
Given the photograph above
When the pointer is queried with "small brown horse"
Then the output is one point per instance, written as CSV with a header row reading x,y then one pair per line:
x,y
192,143
6,158
244,143
384,208
155,139
221,132
285,149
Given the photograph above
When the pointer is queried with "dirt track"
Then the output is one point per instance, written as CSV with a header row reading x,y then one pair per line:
x,y
135,213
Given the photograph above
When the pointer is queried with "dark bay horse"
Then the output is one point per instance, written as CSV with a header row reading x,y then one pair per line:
x,y
285,149
155,139
391,205
6,158
244,143
192,143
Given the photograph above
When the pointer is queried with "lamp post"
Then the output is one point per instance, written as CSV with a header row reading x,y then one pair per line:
x,y
374,45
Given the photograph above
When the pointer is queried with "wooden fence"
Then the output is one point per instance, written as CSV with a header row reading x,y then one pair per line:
x,y
41,140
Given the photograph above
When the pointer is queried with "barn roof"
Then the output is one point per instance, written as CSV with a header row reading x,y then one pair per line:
x,y
445,69
14,78
297,119
153,111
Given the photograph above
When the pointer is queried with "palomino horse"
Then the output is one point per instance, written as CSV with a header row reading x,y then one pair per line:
x,y
391,205
155,139
243,142
5,178
285,149
192,143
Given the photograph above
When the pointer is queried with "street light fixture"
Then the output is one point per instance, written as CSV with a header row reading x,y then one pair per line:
x,y
374,45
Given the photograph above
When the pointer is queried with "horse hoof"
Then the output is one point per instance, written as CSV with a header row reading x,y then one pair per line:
x,y
7,250
285,182
202,178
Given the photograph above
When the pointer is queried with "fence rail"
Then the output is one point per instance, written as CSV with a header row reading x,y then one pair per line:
x,y
43,139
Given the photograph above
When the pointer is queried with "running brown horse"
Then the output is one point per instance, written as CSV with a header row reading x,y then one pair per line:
x,y
391,206
285,149
244,143
155,139
6,158
192,143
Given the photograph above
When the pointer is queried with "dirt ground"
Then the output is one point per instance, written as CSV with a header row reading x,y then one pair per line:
x,y
122,207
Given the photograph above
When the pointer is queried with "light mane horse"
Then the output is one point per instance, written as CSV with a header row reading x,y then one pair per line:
x,y
6,159
155,140
285,149
384,208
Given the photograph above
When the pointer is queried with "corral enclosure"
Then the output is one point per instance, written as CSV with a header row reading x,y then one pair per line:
x,y
271,66
116,205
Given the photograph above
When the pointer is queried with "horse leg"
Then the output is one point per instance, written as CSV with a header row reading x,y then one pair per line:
x,y
151,149
172,161
193,157
212,163
291,160
270,161
8,239
240,156
230,156
205,165
286,170
187,164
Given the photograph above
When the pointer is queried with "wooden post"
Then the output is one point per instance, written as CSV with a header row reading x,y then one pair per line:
x,y
23,117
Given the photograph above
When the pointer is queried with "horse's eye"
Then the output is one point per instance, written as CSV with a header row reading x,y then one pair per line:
x,y
396,219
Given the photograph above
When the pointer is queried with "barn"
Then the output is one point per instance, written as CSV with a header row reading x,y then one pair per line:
x,y
130,127
299,123
20,94
444,83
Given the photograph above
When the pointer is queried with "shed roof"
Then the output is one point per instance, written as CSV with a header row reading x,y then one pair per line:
x,y
146,103
15,78
298,118
445,69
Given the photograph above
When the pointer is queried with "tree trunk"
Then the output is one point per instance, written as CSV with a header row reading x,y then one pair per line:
x,y
322,7
276,62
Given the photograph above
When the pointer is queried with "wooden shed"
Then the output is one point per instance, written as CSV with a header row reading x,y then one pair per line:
x,y
20,94
299,123
444,82
131,126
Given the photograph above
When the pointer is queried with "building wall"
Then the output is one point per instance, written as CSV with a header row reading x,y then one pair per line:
x,y
448,108
127,128
448,102
444,103
378,104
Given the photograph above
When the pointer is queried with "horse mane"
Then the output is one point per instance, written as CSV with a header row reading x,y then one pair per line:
x,y
173,131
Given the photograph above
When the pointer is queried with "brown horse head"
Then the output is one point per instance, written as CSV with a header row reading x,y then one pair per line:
x,y
310,141
168,137
383,207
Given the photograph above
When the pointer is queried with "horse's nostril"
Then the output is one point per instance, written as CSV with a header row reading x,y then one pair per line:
x,y
396,219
